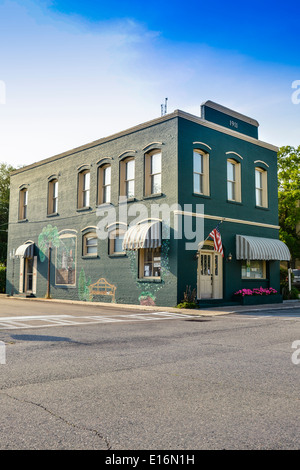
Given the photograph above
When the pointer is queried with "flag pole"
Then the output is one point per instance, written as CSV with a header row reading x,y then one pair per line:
x,y
221,221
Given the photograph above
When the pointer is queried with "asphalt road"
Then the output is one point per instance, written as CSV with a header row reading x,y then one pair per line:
x,y
213,382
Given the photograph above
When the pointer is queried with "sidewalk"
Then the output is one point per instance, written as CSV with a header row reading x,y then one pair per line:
x,y
286,305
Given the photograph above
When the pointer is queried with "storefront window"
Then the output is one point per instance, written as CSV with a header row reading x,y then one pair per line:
x,y
150,262
254,269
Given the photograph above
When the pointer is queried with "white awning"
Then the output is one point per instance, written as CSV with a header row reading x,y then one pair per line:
x,y
25,250
143,235
261,248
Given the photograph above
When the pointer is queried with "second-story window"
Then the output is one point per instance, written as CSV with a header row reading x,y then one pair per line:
x,y
84,189
104,184
201,172
127,178
261,197
153,173
233,180
23,202
53,197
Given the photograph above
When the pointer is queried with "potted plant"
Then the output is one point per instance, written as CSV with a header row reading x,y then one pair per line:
x,y
258,295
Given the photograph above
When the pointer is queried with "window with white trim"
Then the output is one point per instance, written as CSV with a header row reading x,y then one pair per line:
x,y
261,187
233,180
200,172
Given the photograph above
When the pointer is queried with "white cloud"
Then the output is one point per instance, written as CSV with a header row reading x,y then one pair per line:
x,y
69,82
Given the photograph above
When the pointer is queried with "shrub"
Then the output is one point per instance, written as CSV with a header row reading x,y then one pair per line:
x,y
2,279
187,305
189,298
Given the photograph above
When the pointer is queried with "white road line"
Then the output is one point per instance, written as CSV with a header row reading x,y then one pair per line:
x,y
34,317
46,321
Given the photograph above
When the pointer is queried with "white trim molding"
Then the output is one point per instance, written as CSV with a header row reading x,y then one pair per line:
x,y
234,153
226,219
260,161
202,143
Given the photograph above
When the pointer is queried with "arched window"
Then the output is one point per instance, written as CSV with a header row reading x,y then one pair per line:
x,y
90,244
115,239
23,203
127,177
52,196
104,184
233,180
261,187
153,166
201,172
83,189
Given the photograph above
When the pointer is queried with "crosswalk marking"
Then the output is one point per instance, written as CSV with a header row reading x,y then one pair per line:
x,y
45,321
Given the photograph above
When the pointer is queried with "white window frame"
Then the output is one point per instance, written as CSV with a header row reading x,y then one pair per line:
x,y
235,183
262,190
203,175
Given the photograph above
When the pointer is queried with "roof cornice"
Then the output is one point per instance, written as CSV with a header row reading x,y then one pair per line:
x,y
153,122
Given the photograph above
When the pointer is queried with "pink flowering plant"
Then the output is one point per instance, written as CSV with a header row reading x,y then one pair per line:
x,y
256,291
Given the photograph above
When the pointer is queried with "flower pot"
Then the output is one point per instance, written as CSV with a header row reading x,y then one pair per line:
x,y
260,299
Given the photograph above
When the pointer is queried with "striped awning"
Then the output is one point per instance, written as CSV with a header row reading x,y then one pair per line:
x,y
25,250
143,235
261,248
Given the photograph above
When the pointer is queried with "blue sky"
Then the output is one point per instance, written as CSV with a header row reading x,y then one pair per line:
x,y
74,72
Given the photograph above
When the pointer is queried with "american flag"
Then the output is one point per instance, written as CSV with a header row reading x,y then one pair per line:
x,y
216,236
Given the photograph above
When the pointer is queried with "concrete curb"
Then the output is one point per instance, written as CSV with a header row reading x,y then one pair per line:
x,y
286,305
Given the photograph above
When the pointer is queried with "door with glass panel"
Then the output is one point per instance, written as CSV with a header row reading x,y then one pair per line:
x,y
210,274
28,278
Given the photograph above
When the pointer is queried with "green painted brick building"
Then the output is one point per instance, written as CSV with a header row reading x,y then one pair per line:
x,y
127,218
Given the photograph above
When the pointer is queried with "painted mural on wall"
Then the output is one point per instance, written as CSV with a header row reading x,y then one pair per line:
x,y
88,291
48,237
150,289
65,269
83,287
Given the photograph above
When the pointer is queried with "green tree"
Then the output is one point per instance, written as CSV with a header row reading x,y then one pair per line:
x,y
5,170
289,199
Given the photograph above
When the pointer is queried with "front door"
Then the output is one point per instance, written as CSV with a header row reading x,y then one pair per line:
x,y
28,278
210,275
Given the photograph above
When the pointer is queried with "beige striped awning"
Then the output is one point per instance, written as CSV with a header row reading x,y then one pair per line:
x,y
143,235
261,249
25,250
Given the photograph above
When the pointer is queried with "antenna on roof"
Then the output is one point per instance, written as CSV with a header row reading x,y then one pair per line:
x,y
163,108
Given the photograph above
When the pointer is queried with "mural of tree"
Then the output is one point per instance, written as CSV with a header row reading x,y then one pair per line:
x,y
49,237
83,287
